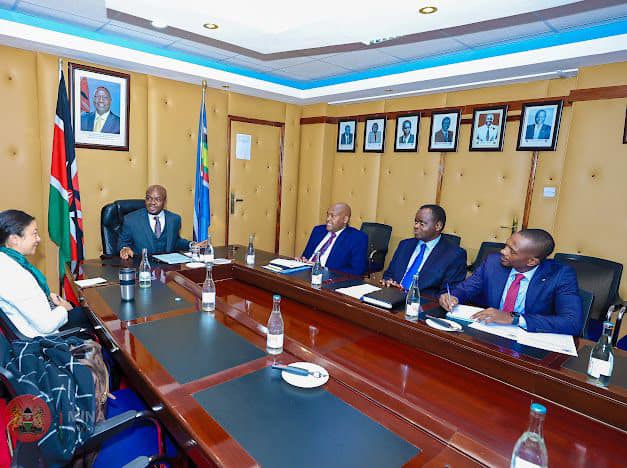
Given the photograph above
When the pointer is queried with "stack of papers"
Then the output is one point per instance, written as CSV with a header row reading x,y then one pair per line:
x,y
286,265
358,291
86,283
463,312
506,331
171,258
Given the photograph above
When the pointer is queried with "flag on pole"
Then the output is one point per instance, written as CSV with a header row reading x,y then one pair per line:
x,y
202,218
85,105
65,218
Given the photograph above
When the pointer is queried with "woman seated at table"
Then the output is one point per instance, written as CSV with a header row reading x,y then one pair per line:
x,y
24,293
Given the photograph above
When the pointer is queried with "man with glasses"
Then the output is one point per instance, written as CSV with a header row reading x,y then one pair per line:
x,y
152,228
102,120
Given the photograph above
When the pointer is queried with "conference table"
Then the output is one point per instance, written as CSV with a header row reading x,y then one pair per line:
x,y
400,393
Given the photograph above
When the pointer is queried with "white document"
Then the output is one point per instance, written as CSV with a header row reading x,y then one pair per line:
x,y
172,258
506,331
287,263
86,283
463,312
276,269
358,291
243,143
557,343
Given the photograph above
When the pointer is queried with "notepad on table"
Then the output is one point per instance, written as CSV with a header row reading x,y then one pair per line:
x,y
388,298
171,258
557,343
358,291
463,312
511,332
86,283
286,265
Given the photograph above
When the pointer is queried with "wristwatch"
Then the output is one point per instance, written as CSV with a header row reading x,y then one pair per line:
x,y
515,318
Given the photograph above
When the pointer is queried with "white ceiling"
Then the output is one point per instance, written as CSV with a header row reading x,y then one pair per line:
x,y
264,57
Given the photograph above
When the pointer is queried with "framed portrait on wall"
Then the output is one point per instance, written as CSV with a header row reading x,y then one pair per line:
x,y
488,128
444,132
539,126
374,135
346,132
100,104
407,132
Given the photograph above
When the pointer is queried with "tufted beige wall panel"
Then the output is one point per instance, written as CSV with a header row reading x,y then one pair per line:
x,y
289,195
592,208
256,108
613,74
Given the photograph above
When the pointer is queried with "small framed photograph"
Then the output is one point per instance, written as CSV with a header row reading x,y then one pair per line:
x,y
100,103
407,132
488,128
539,126
444,132
374,135
346,132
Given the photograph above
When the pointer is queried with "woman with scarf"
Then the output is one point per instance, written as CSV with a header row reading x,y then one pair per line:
x,y
24,293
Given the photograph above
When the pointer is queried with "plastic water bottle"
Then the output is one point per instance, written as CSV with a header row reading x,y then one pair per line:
x,y
145,273
274,343
250,251
209,252
208,291
601,362
412,301
316,272
530,449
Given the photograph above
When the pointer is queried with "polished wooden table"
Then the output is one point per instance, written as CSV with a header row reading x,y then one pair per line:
x,y
461,400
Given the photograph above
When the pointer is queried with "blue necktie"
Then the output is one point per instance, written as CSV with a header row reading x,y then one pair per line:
x,y
409,276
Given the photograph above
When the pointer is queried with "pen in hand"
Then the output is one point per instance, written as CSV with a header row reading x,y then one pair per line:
x,y
448,295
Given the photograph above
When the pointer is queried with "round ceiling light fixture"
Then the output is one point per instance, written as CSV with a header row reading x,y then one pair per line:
x,y
156,23
210,26
427,10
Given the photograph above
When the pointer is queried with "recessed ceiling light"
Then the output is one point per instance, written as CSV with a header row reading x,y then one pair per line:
x,y
427,10
158,24
210,26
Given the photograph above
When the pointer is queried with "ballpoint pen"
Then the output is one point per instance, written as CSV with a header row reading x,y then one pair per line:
x,y
298,371
448,293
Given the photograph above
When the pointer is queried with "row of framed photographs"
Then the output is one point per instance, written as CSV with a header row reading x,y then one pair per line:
x,y
539,128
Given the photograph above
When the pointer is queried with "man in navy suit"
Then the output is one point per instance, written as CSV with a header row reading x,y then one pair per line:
x,y
439,261
539,131
341,246
522,287
102,120
152,228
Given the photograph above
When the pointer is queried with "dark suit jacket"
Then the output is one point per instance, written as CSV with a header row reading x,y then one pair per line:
x,y
349,252
137,234
445,264
346,141
545,132
410,139
439,136
552,304
111,125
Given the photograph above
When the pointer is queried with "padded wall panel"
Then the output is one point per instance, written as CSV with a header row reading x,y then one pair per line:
x,y
256,108
357,109
513,92
592,208
289,194
21,177
483,191
428,101
106,176
612,74
315,110
173,109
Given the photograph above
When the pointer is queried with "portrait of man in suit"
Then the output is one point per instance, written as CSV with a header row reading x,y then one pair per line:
x,y
444,135
347,136
488,128
538,130
374,135
102,120
407,137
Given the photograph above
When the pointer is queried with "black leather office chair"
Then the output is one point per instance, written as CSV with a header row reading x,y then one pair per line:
x,y
10,331
586,301
599,276
486,249
111,218
453,238
378,241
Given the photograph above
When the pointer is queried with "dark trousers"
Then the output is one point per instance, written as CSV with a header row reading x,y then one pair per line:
x,y
77,318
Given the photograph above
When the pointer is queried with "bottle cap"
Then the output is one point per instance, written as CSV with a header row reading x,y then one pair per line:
x,y
276,297
538,408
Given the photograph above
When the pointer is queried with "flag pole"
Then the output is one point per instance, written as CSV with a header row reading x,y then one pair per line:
x,y
60,67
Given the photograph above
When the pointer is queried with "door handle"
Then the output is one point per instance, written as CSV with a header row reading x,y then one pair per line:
x,y
233,201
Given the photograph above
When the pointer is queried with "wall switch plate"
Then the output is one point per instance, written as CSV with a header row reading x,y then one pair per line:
x,y
549,192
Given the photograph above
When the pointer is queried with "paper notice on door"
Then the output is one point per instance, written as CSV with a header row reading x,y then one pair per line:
x,y
243,143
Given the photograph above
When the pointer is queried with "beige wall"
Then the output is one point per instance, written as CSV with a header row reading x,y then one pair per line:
x,y
482,191
163,135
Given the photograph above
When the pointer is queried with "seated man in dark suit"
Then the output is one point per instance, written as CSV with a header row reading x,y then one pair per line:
x,y
153,228
341,246
438,260
521,287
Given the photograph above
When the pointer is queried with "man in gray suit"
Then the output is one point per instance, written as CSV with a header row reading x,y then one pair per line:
x,y
152,228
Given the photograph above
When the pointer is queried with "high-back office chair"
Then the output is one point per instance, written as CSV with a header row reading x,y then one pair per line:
x,y
599,276
111,218
486,249
586,302
378,241
453,238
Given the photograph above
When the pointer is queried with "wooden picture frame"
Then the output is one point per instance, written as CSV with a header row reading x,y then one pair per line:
x,y
539,126
407,133
374,135
346,136
441,137
488,128
100,104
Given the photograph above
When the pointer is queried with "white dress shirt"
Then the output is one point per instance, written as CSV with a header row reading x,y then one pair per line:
x,y
151,220
325,256
25,303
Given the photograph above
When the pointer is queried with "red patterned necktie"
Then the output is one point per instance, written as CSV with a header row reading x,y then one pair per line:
x,y
512,293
